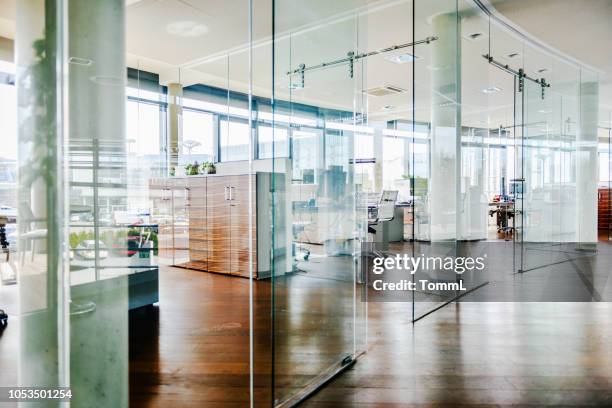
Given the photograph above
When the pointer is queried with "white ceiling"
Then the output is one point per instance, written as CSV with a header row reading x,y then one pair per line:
x,y
205,41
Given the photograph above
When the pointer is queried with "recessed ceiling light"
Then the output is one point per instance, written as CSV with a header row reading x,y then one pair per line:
x,y
491,89
402,58
186,29
542,70
513,54
388,107
475,36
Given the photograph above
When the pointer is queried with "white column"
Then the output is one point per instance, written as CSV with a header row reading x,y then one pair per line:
x,y
587,162
42,301
98,77
445,128
175,114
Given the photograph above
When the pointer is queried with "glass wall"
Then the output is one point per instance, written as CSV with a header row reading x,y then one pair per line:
x,y
109,142
319,323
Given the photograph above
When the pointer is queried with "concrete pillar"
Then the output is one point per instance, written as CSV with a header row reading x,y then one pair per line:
x,y
43,329
175,114
587,161
445,128
98,76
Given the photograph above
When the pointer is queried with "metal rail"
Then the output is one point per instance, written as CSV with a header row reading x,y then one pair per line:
x,y
520,74
351,57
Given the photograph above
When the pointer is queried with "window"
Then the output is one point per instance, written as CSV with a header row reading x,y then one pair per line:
x,y
198,137
604,166
364,172
8,155
269,138
305,155
234,140
143,128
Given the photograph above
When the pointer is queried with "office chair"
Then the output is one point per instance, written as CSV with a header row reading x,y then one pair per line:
x,y
385,210
28,231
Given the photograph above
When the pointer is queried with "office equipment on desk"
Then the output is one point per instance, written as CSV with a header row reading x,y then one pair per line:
x,y
504,211
6,263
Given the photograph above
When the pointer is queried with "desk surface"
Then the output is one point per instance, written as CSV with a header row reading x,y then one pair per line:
x,y
7,219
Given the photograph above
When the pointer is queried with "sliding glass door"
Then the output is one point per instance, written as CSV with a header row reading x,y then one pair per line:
x,y
319,321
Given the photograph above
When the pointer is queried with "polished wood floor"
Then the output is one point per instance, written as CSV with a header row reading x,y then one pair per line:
x,y
193,350
481,355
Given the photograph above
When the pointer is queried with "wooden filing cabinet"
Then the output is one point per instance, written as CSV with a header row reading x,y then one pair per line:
x,y
217,210
604,210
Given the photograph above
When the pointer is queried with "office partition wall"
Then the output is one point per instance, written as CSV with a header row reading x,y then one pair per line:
x,y
318,318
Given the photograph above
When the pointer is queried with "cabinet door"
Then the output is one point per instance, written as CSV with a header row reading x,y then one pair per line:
x,y
161,215
239,227
218,224
198,235
180,218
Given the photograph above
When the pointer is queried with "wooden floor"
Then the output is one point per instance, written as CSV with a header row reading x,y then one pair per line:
x,y
193,350
481,355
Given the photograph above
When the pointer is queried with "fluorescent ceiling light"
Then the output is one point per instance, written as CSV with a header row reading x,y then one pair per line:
x,y
348,127
491,89
404,133
186,29
401,58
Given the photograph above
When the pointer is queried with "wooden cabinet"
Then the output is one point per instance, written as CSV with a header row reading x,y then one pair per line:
x,y
213,232
218,230
197,214
239,224
604,210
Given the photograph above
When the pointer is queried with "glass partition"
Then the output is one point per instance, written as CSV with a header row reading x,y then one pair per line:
x,y
318,322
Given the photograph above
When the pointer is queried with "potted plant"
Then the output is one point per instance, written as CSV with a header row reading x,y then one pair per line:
x,y
192,169
208,168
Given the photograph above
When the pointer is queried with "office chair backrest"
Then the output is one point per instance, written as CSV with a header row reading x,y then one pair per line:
x,y
386,205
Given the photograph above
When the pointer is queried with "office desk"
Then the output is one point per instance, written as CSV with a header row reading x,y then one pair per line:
x,y
504,211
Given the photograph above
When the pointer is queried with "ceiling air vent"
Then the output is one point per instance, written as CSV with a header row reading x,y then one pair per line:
x,y
385,90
